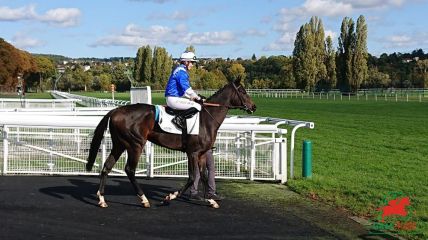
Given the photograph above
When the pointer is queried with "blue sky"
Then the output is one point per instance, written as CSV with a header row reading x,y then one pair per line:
x,y
221,28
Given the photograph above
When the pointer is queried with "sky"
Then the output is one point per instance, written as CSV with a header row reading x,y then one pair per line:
x,y
220,28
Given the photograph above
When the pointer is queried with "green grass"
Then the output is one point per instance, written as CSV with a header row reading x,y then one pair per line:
x,y
362,151
43,95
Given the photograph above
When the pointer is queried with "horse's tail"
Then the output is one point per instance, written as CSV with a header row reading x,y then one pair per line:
x,y
96,140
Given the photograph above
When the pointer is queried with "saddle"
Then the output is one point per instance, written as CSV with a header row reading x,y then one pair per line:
x,y
165,114
173,112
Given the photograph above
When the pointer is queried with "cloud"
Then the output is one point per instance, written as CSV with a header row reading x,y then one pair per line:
x,y
330,33
405,40
399,40
285,42
24,42
17,14
254,32
62,17
176,15
326,8
134,35
210,38
288,18
366,4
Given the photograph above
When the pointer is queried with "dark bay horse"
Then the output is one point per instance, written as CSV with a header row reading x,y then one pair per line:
x,y
131,126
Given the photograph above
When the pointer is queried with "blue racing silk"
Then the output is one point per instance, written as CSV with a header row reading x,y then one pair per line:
x,y
178,82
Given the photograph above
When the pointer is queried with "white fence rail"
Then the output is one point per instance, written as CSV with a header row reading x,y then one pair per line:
x,y
22,103
89,101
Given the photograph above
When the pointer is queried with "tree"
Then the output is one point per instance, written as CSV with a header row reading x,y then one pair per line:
x,y
345,54
253,58
143,65
119,77
234,71
138,64
161,67
317,30
305,58
14,63
146,67
360,55
105,81
422,68
330,64
377,79
45,70
190,48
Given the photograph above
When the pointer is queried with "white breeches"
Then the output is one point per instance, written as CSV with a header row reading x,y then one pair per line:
x,y
182,103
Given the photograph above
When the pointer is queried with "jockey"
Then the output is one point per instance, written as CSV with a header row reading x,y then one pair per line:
x,y
179,94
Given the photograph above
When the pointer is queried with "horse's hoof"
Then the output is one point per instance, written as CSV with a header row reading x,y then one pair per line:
x,y
213,203
103,204
146,204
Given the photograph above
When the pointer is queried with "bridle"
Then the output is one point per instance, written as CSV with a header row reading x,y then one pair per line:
x,y
243,106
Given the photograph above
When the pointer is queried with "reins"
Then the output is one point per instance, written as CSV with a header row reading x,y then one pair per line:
x,y
244,107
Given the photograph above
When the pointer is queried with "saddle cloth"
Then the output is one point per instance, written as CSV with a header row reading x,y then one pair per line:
x,y
164,120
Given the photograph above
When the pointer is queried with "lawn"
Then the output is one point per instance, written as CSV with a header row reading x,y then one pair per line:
x,y
362,152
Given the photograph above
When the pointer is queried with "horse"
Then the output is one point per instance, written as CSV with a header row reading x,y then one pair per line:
x,y
131,126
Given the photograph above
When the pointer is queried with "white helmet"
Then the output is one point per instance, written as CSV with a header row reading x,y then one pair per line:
x,y
188,56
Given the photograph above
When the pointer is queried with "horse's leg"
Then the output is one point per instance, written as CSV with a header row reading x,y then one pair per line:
x,y
108,165
192,168
131,165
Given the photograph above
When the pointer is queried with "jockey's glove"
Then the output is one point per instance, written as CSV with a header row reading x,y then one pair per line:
x,y
200,101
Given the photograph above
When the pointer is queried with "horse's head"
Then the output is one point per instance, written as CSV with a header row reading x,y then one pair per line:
x,y
239,97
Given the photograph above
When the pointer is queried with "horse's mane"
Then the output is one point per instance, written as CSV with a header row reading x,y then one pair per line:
x,y
218,91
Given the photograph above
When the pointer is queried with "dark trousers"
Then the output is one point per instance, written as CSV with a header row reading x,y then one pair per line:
x,y
211,176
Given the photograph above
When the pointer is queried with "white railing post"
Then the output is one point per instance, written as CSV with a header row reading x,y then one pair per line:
x,y
5,148
150,158
238,153
253,156
103,153
293,133
283,159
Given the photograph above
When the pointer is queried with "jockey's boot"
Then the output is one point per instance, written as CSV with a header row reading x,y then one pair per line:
x,y
180,119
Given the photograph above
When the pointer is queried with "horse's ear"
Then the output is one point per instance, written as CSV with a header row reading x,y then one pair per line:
x,y
238,80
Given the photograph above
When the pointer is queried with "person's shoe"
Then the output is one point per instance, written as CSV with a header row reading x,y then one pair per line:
x,y
215,197
195,197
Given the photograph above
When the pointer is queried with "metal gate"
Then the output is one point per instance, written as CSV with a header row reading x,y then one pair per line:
x,y
48,150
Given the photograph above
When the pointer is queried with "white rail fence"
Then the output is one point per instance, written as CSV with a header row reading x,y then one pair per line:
x,y
247,148
89,101
21,103
391,94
